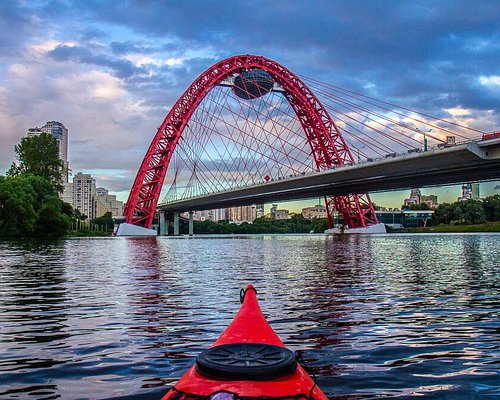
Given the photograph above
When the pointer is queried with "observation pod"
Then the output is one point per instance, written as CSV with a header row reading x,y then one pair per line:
x,y
247,361
252,84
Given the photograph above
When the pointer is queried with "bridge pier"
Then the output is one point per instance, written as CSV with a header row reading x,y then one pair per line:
x,y
163,224
191,228
176,223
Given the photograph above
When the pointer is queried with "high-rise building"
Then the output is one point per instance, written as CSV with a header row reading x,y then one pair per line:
x,y
217,215
84,192
469,191
242,213
475,191
259,209
208,215
415,196
60,133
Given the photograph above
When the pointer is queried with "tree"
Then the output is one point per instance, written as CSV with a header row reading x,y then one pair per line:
x,y
470,212
105,220
443,214
17,214
29,206
79,215
52,221
491,206
38,155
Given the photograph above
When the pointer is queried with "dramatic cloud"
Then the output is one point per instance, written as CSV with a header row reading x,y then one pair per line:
x,y
110,71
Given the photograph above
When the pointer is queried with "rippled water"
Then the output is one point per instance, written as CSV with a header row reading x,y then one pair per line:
x,y
376,316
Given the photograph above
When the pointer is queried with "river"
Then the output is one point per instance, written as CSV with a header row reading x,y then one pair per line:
x,y
381,316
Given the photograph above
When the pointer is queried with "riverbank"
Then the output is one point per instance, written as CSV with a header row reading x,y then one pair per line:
x,y
487,227
86,233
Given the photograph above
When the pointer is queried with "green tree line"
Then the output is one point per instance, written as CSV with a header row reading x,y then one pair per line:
x,y
30,206
468,212
296,224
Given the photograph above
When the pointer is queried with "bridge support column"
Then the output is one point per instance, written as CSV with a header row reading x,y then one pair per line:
x,y
163,224
176,223
191,228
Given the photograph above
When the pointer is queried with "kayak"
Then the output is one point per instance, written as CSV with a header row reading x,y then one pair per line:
x,y
248,361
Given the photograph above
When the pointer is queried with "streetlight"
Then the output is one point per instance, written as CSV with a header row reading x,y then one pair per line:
x,y
425,139
358,150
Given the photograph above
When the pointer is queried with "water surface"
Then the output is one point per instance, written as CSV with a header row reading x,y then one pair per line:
x,y
381,316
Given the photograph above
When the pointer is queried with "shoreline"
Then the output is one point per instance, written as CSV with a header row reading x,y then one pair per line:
x,y
480,228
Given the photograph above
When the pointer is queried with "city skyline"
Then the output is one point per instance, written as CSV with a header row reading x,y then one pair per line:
x,y
113,76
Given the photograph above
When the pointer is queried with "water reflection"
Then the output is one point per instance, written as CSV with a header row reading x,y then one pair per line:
x,y
374,316
33,313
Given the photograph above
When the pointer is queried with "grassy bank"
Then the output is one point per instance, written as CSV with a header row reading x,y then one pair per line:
x,y
487,227
86,233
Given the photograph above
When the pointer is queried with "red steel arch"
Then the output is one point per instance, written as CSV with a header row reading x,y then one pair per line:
x,y
327,144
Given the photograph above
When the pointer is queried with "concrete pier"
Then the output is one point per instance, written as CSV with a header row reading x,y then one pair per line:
x,y
176,223
163,224
191,228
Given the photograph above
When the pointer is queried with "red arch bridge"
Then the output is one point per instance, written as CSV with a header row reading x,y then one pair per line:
x,y
248,130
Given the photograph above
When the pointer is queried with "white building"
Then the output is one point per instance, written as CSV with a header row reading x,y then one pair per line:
x,y
279,214
60,133
84,192
318,211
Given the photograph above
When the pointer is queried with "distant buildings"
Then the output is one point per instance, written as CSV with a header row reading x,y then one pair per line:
x,y
318,211
209,215
107,203
279,214
236,215
470,191
431,200
93,202
241,214
60,133
416,197
245,213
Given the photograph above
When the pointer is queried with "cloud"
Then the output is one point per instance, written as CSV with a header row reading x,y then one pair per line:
x,y
121,68
110,71
18,25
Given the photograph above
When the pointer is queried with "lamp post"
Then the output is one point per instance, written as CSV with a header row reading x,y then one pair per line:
x,y
425,138
358,151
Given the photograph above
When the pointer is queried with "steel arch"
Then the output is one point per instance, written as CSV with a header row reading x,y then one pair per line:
x,y
327,144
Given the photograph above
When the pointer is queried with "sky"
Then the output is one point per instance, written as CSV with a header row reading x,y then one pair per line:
x,y
111,70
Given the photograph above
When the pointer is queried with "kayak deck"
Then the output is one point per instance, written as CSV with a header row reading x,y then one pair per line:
x,y
247,361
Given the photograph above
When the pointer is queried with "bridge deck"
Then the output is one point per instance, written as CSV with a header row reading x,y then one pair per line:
x,y
474,161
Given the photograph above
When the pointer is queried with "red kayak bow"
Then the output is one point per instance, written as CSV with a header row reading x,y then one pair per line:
x,y
248,361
